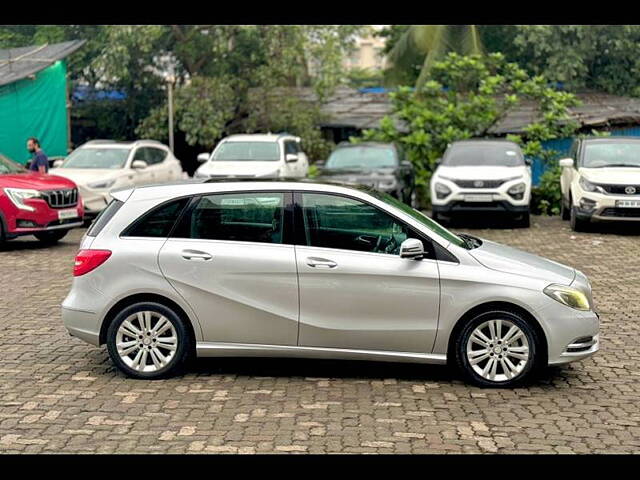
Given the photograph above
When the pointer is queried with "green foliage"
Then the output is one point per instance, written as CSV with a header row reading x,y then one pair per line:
x,y
546,197
364,78
463,97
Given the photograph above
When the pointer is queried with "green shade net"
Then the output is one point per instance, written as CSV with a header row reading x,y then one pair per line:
x,y
35,108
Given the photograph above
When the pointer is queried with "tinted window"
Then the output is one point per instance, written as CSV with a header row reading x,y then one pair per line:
x,y
290,147
158,222
111,158
247,151
363,157
481,154
103,217
609,154
240,217
332,221
155,156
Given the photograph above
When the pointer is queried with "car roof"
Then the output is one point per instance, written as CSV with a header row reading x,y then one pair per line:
x,y
485,141
365,144
256,137
625,138
121,144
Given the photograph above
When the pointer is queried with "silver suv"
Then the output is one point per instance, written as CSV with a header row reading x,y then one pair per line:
x,y
297,269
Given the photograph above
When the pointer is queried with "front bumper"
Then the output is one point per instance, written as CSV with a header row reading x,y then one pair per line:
x,y
460,206
18,222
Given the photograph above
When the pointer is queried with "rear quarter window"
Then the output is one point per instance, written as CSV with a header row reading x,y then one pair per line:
x,y
159,221
104,217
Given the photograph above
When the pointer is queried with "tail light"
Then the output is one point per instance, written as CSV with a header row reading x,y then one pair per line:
x,y
88,260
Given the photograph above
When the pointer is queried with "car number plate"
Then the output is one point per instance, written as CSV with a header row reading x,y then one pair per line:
x,y
478,198
628,203
68,213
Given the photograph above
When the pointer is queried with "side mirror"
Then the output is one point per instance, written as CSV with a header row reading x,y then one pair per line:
x,y
203,157
139,165
58,163
528,162
291,157
438,162
566,162
412,248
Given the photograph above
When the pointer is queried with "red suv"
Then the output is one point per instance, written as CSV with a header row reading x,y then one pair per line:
x,y
46,206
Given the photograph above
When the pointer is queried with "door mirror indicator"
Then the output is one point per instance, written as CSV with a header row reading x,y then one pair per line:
x,y
139,165
412,248
291,157
566,162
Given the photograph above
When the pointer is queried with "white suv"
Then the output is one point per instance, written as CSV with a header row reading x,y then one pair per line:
x,y
255,156
484,176
101,166
601,181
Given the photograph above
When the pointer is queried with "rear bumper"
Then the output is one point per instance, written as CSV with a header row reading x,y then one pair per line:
x,y
82,324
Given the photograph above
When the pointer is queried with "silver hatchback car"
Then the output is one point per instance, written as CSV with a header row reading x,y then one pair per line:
x,y
297,269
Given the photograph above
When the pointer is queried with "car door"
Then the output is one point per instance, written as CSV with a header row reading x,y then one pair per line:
x,y
142,176
231,259
158,169
291,169
355,290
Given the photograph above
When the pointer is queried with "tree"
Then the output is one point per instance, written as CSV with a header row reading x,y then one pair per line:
x,y
431,43
463,97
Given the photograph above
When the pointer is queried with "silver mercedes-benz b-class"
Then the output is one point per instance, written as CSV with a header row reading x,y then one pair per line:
x,y
298,269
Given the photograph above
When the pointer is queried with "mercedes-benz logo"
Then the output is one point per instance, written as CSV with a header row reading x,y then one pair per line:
x,y
630,190
478,183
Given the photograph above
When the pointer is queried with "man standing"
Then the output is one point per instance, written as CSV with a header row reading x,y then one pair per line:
x,y
40,162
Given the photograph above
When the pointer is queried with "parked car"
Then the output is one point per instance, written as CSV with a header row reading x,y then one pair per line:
x,y
31,203
255,156
303,269
100,166
379,165
482,176
600,181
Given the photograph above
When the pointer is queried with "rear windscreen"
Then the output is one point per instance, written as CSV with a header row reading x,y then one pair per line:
x,y
103,218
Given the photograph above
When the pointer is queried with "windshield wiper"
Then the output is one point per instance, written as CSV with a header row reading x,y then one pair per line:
x,y
470,241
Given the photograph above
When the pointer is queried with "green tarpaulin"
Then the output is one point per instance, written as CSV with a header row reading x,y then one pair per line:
x,y
35,108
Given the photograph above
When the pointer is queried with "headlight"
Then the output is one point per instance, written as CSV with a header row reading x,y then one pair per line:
x,y
442,190
19,195
517,191
387,183
588,186
568,296
102,184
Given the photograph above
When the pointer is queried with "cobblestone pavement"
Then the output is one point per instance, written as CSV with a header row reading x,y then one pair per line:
x,y
58,394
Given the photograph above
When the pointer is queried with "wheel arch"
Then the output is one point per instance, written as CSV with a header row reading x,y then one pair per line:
x,y
504,306
144,297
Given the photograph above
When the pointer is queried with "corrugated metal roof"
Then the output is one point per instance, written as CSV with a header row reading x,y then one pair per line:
x,y
19,63
348,107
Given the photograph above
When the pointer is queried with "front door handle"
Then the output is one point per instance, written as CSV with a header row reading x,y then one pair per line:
x,y
320,262
196,255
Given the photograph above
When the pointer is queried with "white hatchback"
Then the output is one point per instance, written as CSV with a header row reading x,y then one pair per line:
x,y
255,156
482,177
101,166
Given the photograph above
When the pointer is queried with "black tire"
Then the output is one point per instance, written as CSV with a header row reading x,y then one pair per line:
x,y
460,349
524,220
565,212
182,353
577,224
52,237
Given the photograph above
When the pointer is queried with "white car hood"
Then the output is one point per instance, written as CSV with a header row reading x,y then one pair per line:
x,y
480,172
241,168
84,176
614,175
511,260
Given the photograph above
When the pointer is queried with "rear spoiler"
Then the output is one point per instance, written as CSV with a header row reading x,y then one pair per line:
x,y
122,195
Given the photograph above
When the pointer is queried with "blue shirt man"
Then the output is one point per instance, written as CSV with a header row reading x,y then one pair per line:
x,y
40,162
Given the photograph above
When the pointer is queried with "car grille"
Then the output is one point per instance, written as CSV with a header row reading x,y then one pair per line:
x,y
621,212
619,189
479,183
61,198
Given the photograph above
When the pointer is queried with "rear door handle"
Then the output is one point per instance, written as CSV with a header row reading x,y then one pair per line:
x,y
196,255
320,262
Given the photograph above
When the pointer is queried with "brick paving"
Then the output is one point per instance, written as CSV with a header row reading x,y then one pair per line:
x,y
58,394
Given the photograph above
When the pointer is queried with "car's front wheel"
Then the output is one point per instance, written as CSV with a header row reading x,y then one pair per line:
x,y
148,340
497,349
577,224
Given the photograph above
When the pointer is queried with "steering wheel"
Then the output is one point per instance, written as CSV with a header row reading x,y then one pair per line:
x,y
391,245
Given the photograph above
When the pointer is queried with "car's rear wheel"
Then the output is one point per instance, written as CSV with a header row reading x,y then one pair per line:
x,y
51,237
497,349
148,340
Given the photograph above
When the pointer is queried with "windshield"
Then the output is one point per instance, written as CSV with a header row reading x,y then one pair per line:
x,y
247,152
9,166
420,217
618,154
362,157
111,158
483,154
